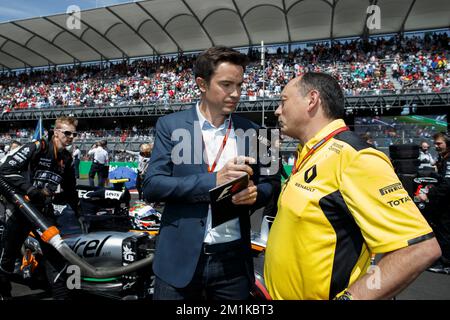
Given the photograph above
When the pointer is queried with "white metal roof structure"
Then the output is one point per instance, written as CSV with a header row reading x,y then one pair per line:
x,y
153,27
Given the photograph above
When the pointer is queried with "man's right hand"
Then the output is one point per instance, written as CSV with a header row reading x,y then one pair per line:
x,y
234,168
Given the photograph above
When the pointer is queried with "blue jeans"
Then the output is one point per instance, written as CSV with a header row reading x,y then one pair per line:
x,y
218,276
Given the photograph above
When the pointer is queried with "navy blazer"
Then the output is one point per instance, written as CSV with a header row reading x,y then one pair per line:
x,y
184,187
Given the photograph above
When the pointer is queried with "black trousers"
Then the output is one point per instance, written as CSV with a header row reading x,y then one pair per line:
x,y
438,216
220,275
442,232
16,230
139,180
102,174
76,165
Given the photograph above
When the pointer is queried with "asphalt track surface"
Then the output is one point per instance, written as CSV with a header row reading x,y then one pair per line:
x,y
428,286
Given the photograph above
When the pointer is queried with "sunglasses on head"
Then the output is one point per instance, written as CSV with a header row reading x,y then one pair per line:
x,y
68,133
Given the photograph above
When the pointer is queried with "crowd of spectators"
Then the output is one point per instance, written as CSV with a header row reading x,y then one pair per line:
x,y
387,130
120,137
140,82
423,72
361,68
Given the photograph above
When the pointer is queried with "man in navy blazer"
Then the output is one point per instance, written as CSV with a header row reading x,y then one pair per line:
x,y
194,151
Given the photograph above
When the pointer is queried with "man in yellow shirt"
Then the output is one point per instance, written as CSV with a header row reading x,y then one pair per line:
x,y
342,204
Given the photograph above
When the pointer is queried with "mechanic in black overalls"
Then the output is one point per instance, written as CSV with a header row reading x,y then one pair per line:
x,y
44,171
438,196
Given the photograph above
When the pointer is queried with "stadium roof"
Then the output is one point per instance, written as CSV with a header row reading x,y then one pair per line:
x,y
146,28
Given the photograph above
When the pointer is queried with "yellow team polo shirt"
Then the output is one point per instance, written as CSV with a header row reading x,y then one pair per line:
x,y
343,204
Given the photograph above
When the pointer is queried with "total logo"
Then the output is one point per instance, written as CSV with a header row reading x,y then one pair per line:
x,y
400,201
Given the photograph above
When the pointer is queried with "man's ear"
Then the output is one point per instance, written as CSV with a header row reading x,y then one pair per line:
x,y
201,83
314,98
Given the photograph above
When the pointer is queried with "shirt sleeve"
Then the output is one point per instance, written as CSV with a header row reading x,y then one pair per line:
x,y
385,213
134,153
15,168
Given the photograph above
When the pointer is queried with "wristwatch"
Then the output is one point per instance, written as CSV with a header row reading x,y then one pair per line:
x,y
345,296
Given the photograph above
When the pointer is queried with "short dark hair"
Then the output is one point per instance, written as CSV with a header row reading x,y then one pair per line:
x,y
329,89
207,61
15,142
443,135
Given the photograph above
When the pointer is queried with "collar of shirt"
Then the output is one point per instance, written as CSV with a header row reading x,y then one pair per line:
x,y
334,125
205,125
213,138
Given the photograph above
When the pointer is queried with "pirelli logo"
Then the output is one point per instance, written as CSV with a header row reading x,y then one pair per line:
x,y
391,188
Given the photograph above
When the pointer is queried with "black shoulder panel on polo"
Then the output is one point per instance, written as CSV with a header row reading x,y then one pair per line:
x,y
352,139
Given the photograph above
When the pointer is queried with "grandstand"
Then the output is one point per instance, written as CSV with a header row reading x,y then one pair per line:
x,y
126,65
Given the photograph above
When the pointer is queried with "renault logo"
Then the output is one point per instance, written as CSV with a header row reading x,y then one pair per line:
x,y
310,174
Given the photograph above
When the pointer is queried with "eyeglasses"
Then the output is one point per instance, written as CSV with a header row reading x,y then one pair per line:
x,y
68,133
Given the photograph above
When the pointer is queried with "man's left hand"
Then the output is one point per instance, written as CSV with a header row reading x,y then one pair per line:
x,y
423,197
247,196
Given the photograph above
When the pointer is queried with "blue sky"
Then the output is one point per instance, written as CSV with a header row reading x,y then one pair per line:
x,y
22,9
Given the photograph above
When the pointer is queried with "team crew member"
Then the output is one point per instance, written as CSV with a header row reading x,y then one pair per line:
x,y
49,165
438,196
143,155
76,154
427,162
342,203
100,164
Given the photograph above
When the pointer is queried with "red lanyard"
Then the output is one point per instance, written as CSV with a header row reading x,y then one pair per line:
x,y
219,153
315,148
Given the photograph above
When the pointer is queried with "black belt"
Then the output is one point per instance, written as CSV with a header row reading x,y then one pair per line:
x,y
221,247
96,162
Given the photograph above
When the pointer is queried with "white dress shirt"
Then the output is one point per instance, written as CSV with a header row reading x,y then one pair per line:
x,y
100,155
213,137
76,154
